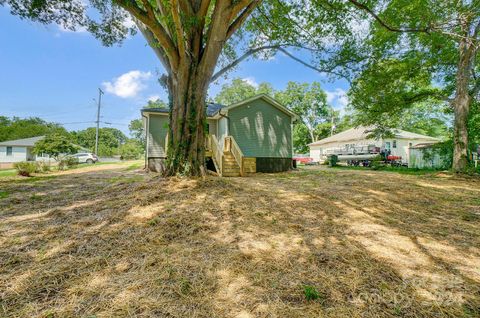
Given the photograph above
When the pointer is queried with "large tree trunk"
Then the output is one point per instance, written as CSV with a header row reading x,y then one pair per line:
x,y
461,110
186,145
461,106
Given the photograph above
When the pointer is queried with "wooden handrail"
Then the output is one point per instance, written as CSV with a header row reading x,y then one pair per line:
x,y
208,142
217,153
236,151
166,144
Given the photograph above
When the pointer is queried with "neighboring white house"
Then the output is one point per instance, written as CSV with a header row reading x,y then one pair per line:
x,y
356,137
20,150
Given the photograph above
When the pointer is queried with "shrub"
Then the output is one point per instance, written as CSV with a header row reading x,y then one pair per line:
x,y
43,166
62,164
25,168
310,292
376,163
130,150
332,160
67,162
71,162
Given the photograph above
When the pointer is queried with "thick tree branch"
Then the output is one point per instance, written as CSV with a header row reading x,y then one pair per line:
x,y
240,59
203,9
238,7
186,7
150,22
242,17
216,38
179,29
252,51
153,43
163,13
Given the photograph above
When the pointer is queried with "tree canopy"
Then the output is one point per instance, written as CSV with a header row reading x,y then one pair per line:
x,y
109,139
415,52
55,145
240,89
18,128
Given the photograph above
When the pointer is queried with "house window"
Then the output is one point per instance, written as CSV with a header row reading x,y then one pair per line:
x,y
387,145
394,144
9,151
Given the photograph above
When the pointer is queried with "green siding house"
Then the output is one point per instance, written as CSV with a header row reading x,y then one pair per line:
x,y
254,135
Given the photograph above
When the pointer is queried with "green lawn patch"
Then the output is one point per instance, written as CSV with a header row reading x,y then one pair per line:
x,y
8,173
135,166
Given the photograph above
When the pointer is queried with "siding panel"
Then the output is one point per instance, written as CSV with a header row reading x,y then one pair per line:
x,y
158,129
261,130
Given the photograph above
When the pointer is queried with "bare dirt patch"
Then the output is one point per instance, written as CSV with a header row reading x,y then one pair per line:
x,y
122,243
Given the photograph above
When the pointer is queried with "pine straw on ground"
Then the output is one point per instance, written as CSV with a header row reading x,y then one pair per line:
x,y
119,243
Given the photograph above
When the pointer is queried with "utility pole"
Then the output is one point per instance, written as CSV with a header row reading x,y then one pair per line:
x,y
100,93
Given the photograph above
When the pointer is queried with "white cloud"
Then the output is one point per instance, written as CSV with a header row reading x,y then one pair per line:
x,y
250,80
129,23
337,98
153,98
128,84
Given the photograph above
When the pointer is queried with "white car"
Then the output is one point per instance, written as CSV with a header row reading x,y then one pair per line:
x,y
85,157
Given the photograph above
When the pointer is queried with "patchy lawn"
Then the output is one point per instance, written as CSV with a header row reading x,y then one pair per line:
x,y
116,242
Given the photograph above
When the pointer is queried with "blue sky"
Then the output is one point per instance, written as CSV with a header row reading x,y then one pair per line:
x,y
54,74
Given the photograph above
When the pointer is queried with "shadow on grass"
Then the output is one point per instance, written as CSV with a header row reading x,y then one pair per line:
x,y
91,244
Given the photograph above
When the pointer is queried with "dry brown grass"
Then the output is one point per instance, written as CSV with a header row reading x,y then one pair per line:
x,y
118,243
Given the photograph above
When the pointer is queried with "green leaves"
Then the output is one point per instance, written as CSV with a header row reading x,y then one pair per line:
x,y
55,145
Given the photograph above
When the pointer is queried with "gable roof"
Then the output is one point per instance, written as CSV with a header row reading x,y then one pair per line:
x,y
212,109
25,142
361,132
266,98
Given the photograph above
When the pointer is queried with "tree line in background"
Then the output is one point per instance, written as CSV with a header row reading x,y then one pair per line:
x,y
112,141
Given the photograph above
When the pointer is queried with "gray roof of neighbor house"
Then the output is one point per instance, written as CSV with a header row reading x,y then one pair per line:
x,y
26,142
360,133
211,110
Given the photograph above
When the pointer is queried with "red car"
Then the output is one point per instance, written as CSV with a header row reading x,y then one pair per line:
x,y
303,160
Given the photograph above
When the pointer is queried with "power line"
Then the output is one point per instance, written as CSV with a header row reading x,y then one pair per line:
x,y
108,123
77,122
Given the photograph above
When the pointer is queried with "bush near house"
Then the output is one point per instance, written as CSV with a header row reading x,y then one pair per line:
x,y
43,166
67,162
131,150
25,168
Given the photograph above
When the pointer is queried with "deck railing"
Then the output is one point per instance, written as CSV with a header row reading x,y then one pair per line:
x,y
208,142
217,153
236,152
166,144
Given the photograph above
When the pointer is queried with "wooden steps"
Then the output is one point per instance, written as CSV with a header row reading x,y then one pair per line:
x,y
230,165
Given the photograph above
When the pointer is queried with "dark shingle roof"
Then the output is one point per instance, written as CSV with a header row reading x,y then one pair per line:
x,y
211,110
